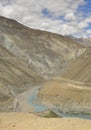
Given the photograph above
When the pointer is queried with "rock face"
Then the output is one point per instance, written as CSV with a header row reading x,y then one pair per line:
x,y
29,57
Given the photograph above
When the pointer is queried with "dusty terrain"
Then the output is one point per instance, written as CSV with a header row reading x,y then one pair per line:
x,y
80,69
67,96
21,121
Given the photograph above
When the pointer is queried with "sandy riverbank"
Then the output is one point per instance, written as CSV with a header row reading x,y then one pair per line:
x,y
25,121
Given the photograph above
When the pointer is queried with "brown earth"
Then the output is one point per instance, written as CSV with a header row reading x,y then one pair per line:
x,y
67,96
22,121
80,69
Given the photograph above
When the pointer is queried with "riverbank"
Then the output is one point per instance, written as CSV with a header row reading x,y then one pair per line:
x,y
29,102
25,121
67,96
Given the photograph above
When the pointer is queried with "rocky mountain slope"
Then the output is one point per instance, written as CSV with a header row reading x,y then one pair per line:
x,y
70,92
44,52
80,69
29,57
85,41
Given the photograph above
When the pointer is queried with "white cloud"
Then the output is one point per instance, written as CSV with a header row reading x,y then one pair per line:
x,y
64,19
89,31
82,24
88,20
70,16
6,10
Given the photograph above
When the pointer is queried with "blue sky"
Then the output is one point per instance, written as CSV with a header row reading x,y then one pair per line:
x,y
46,12
66,17
86,8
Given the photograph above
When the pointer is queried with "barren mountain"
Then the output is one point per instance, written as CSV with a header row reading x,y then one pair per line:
x,y
70,92
85,41
29,57
80,69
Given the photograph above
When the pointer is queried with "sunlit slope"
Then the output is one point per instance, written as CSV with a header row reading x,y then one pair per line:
x,y
66,96
80,69
15,77
29,57
46,53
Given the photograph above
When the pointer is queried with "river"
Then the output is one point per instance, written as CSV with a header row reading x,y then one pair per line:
x,y
32,100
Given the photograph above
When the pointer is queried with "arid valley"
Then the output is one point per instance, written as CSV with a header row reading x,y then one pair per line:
x,y
45,80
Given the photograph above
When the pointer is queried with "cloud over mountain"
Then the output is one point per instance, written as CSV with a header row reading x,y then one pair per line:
x,y
61,16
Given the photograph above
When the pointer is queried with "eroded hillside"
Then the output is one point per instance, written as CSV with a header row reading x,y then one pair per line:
x,y
80,69
29,57
46,53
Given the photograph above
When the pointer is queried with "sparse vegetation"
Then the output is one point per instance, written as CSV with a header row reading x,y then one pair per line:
x,y
51,114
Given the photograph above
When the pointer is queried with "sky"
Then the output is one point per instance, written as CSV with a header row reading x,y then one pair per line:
x,y
66,17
